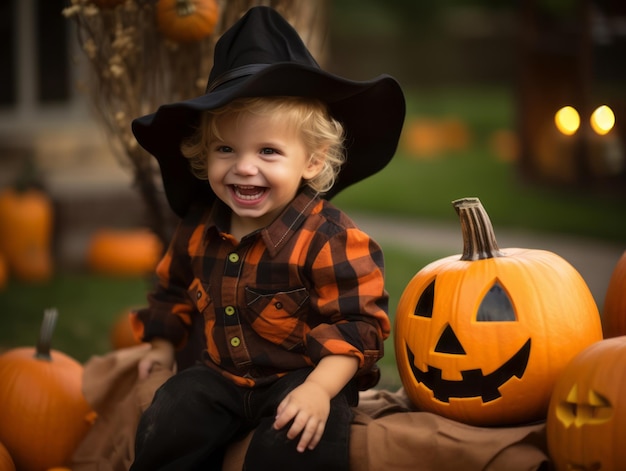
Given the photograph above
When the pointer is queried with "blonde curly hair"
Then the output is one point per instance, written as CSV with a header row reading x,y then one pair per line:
x,y
322,135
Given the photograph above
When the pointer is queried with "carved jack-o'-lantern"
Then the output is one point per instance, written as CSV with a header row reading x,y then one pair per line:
x,y
480,337
586,424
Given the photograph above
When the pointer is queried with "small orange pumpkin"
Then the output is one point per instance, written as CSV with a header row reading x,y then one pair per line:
x,y
124,252
121,335
504,145
586,424
480,337
614,309
26,219
430,137
186,21
43,414
423,138
6,462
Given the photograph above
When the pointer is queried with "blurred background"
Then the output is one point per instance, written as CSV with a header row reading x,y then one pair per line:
x,y
522,104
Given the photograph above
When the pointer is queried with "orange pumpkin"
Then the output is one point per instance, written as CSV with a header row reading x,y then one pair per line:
x,y
26,219
124,252
480,337
586,424
423,138
429,137
43,414
504,145
6,462
121,335
614,309
186,21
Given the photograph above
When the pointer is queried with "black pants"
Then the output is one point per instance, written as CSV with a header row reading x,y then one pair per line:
x,y
197,413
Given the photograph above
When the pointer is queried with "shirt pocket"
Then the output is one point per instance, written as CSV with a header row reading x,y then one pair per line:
x,y
198,292
277,315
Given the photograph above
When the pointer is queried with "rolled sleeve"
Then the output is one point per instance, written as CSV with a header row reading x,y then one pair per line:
x,y
348,275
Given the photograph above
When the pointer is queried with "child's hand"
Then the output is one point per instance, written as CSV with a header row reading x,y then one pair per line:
x,y
162,353
308,405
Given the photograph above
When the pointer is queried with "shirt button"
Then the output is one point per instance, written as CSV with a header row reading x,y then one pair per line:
x,y
278,305
233,257
199,294
229,310
235,341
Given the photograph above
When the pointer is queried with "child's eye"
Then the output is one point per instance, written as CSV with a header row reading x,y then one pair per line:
x,y
224,149
268,151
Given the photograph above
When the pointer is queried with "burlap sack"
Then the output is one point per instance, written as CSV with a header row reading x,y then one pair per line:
x,y
387,433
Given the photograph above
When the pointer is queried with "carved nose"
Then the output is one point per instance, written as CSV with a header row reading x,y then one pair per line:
x,y
449,343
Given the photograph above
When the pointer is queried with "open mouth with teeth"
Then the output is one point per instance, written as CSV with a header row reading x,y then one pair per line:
x,y
248,193
474,382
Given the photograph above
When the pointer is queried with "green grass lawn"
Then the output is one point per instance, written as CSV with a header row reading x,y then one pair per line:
x,y
406,189
88,305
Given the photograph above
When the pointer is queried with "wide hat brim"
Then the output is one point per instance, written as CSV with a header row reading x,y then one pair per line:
x,y
372,113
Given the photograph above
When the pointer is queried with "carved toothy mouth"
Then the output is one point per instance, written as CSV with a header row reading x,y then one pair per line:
x,y
474,382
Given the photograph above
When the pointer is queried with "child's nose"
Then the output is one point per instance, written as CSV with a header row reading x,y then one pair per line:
x,y
246,165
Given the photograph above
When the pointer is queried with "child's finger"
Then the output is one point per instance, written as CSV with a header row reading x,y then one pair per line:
x,y
284,414
311,435
144,368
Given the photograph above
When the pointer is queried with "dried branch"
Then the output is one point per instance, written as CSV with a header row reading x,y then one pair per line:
x,y
134,69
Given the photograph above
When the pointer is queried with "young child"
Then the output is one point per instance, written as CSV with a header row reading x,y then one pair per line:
x,y
290,291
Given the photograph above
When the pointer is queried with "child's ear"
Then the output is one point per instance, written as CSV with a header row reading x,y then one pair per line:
x,y
314,165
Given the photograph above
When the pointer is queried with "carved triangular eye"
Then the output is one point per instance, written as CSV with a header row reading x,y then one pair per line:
x,y
567,410
496,306
598,400
572,395
600,407
426,301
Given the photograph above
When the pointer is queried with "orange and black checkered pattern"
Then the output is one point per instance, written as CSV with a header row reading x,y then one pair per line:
x,y
309,285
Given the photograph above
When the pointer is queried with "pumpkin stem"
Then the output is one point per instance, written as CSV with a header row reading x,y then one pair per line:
x,y
479,240
185,7
44,341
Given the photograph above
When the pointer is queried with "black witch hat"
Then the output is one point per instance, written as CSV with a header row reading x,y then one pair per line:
x,y
262,55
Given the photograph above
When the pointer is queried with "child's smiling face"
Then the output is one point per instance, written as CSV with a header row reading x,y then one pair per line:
x,y
257,166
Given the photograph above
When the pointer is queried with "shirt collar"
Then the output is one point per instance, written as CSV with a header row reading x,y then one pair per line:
x,y
275,235
284,226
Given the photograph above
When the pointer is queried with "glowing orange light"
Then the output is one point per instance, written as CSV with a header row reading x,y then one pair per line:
x,y
567,120
602,120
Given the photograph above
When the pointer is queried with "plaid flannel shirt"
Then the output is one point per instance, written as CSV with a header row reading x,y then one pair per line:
x,y
308,285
